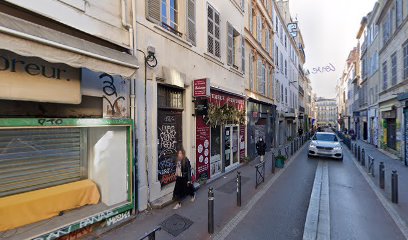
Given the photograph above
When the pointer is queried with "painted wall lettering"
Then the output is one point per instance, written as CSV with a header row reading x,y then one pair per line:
x,y
56,234
50,121
96,218
117,218
78,234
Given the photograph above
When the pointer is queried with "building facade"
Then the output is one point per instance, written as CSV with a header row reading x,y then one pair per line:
x,y
67,116
326,112
261,108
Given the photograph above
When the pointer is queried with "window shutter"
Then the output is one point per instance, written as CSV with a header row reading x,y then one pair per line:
x,y
217,36
242,53
251,72
153,10
251,25
191,22
243,5
210,29
259,29
230,43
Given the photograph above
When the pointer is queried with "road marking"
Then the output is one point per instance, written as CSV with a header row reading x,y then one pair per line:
x,y
401,224
245,210
317,225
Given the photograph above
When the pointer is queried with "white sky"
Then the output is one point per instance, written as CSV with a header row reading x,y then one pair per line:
x,y
329,29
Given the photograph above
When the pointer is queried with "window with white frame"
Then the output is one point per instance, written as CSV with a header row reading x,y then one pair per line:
x,y
286,96
405,59
281,93
277,90
259,28
267,40
386,27
394,69
286,68
234,46
169,13
261,77
398,14
213,31
281,61
277,56
251,15
251,71
384,75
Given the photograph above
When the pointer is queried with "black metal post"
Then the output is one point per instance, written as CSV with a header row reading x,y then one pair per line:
x,y
394,187
238,189
359,153
382,175
273,163
210,211
362,157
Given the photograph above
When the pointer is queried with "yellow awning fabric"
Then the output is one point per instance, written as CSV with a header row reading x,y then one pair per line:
x,y
25,208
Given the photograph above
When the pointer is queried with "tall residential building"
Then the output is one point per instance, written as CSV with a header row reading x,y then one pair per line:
x,y
199,49
393,64
289,56
261,110
370,76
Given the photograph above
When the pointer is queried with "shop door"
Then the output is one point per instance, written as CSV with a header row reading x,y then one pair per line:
x,y
406,135
169,124
231,141
391,125
372,131
365,130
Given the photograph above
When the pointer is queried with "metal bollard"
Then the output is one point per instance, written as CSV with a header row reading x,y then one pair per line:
x,y
238,189
273,163
359,153
394,187
382,175
210,211
362,157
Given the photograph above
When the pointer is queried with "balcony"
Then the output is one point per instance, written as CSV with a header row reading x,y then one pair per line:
x,y
301,91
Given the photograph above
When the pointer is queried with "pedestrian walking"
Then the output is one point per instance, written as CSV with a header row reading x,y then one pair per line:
x,y
261,148
184,185
300,131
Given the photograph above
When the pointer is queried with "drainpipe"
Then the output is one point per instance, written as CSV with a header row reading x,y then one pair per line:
x,y
129,27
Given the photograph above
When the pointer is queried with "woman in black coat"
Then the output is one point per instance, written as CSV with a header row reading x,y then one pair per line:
x,y
183,186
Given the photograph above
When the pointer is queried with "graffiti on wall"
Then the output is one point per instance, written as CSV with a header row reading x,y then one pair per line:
x,y
113,89
113,101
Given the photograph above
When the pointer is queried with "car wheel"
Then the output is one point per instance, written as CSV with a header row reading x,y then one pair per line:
x,y
309,156
341,159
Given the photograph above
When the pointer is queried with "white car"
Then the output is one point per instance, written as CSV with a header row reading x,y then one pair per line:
x,y
325,144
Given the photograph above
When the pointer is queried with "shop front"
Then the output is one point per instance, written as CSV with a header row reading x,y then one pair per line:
x,y
66,152
220,134
389,124
363,125
373,126
261,124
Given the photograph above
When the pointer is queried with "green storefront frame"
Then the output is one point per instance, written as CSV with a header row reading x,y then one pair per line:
x,y
15,123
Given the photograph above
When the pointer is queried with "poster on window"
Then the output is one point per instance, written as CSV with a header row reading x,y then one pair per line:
x,y
241,142
202,149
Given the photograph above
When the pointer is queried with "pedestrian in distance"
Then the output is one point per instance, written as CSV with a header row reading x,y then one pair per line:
x,y
300,131
261,148
184,185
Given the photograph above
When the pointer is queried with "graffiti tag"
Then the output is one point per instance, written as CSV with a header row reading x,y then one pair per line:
x,y
50,121
117,218
328,68
111,93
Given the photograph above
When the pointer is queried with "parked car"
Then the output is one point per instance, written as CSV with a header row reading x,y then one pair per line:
x,y
325,144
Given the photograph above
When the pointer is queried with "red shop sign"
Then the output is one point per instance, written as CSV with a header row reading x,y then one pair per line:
x,y
201,87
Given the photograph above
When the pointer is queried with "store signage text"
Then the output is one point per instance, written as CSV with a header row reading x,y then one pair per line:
x,y
201,87
13,64
34,79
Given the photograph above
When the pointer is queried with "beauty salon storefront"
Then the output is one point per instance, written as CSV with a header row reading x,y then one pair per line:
x,y
220,145
66,152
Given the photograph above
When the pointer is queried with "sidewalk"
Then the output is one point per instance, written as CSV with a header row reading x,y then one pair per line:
x,y
390,165
191,219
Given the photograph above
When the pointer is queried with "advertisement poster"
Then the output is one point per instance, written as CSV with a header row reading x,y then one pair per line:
x,y
241,142
202,149
201,87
